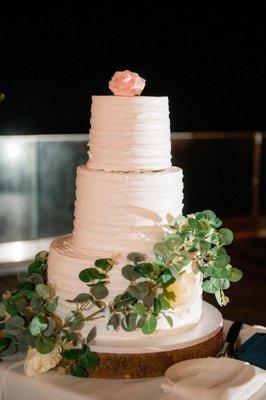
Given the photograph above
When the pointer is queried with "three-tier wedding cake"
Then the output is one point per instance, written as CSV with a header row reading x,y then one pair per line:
x,y
125,195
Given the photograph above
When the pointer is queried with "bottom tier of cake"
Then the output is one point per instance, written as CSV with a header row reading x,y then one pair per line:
x,y
64,266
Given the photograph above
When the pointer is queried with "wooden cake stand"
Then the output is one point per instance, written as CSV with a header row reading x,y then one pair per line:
x,y
151,357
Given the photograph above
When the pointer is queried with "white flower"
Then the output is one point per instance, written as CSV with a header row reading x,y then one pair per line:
x,y
37,363
184,289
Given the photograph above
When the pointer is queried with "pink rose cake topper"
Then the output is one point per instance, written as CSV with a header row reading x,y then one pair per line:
x,y
126,83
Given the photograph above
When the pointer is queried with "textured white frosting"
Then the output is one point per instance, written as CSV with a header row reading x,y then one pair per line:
x,y
118,212
129,133
65,263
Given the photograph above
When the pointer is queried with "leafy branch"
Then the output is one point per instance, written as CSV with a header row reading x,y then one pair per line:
x,y
29,320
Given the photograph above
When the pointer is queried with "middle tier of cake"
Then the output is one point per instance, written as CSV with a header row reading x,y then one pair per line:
x,y
124,212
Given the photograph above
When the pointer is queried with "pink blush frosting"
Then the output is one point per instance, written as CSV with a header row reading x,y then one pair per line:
x,y
126,83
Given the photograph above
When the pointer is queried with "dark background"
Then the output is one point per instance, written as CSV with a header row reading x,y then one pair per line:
x,y
210,62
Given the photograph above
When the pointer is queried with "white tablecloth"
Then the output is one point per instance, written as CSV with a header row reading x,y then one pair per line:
x,y
14,385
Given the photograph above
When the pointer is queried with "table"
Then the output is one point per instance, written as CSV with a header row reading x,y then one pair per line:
x,y
14,385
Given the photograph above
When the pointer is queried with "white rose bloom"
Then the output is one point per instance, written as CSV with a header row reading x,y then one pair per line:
x,y
185,289
36,363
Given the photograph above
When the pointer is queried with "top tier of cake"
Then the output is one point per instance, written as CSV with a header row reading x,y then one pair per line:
x,y
129,134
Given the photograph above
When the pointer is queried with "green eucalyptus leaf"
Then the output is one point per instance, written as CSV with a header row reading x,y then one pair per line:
x,y
52,305
99,291
136,257
36,304
205,228
225,236
91,275
89,359
206,270
211,217
157,306
169,320
173,242
11,348
74,320
24,341
2,310
4,343
144,269
140,290
222,260
200,215
29,294
220,250
209,287
37,325
41,256
165,305
23,277
72,354
14,325
129,322
18,294
22,306
184,258
149,325
205,246
92,334
11,310
79,372
139,308
148,300
50,328
221,283
26,286
37,278
160,261
123,299
141,322
118,302
156,268
129,272
69,336
220,273
162,251
82,298
235,275
43,344
104,263
43,291
194,225
113,323
35,267
167,277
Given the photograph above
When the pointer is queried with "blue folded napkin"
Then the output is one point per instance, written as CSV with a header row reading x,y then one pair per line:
x,y
253,350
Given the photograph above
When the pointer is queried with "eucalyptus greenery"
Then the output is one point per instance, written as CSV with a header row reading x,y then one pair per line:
x,y
197,238
28,319
28,312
